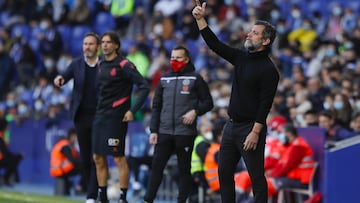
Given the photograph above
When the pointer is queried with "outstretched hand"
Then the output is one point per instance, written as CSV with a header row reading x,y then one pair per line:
x,y
199,11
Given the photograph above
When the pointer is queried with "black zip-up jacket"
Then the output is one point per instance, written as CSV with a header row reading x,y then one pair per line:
x,y
254,83
176,94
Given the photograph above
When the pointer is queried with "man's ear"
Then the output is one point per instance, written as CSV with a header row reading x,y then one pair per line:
x,y
266,42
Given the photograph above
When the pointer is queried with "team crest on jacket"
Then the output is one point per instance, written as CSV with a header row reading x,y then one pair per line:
x,y
113,72
185,87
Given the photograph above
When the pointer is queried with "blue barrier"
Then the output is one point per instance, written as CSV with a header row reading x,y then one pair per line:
x,y
342,175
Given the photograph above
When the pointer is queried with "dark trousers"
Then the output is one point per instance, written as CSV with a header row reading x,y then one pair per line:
x,y
231,151
167,145
10,164
83,125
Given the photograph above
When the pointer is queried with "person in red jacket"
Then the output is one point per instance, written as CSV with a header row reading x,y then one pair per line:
x,y
64,159
294,168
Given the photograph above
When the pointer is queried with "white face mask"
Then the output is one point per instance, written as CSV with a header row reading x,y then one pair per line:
x,y
208,135
49,63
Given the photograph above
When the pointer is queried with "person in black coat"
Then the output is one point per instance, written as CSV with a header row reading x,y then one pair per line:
x,y
83,104
254,86
181,96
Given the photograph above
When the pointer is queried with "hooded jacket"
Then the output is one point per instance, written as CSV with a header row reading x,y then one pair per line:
x,y
176,94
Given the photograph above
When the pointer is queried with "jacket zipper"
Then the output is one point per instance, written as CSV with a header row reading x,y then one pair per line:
x,y
173,109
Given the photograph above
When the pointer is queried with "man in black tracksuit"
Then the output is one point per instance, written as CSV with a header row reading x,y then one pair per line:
x,y
180,97
253,90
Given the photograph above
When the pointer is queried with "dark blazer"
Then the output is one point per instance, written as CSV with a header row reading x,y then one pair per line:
x,y
76,71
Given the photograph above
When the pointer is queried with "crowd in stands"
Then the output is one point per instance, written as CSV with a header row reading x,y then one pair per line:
x,y
317,52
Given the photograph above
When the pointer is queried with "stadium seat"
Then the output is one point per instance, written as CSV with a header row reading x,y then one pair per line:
x,y
299,192
65,31
77,34
21,30
104,21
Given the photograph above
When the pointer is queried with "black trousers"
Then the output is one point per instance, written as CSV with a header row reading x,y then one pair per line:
x,y
10,164
167,145
231,150
83,124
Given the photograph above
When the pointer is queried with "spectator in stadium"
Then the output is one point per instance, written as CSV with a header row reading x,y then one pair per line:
x,y
334,131
65,161
183,92
8,160
304,36
311,118
116,78
80,14
83,106
254,86
50,39
343,110
294,168
8,71
355,123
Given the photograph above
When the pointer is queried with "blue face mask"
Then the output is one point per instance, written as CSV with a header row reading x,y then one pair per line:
x,y
326,106
338,105
283,138
330,53
22,110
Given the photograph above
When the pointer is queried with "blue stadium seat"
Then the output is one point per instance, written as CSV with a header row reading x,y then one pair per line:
x,y
66,34
76,39
21,30
33,40
104,21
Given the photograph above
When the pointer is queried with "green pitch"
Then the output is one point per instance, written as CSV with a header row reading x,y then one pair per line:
x,y
16,197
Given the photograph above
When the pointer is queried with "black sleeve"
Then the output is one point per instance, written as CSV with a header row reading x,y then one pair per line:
x,y
69,72
268,89
202,149
156,109
143,87
4,149
228,53
216,157
66,151
205,103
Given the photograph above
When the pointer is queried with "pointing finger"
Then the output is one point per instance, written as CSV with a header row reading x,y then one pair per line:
x,y
197,2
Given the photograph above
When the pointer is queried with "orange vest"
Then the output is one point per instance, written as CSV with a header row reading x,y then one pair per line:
x,y
211,167
303,171
59,164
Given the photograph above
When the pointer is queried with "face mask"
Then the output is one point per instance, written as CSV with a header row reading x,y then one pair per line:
x,y
326,106
283,139
307,26
336,11
295,13
330,53
274,133
275,14
208,135
10,103
338,105
43,25
38,106
22,110
281,29
177,66
300,118
48,63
